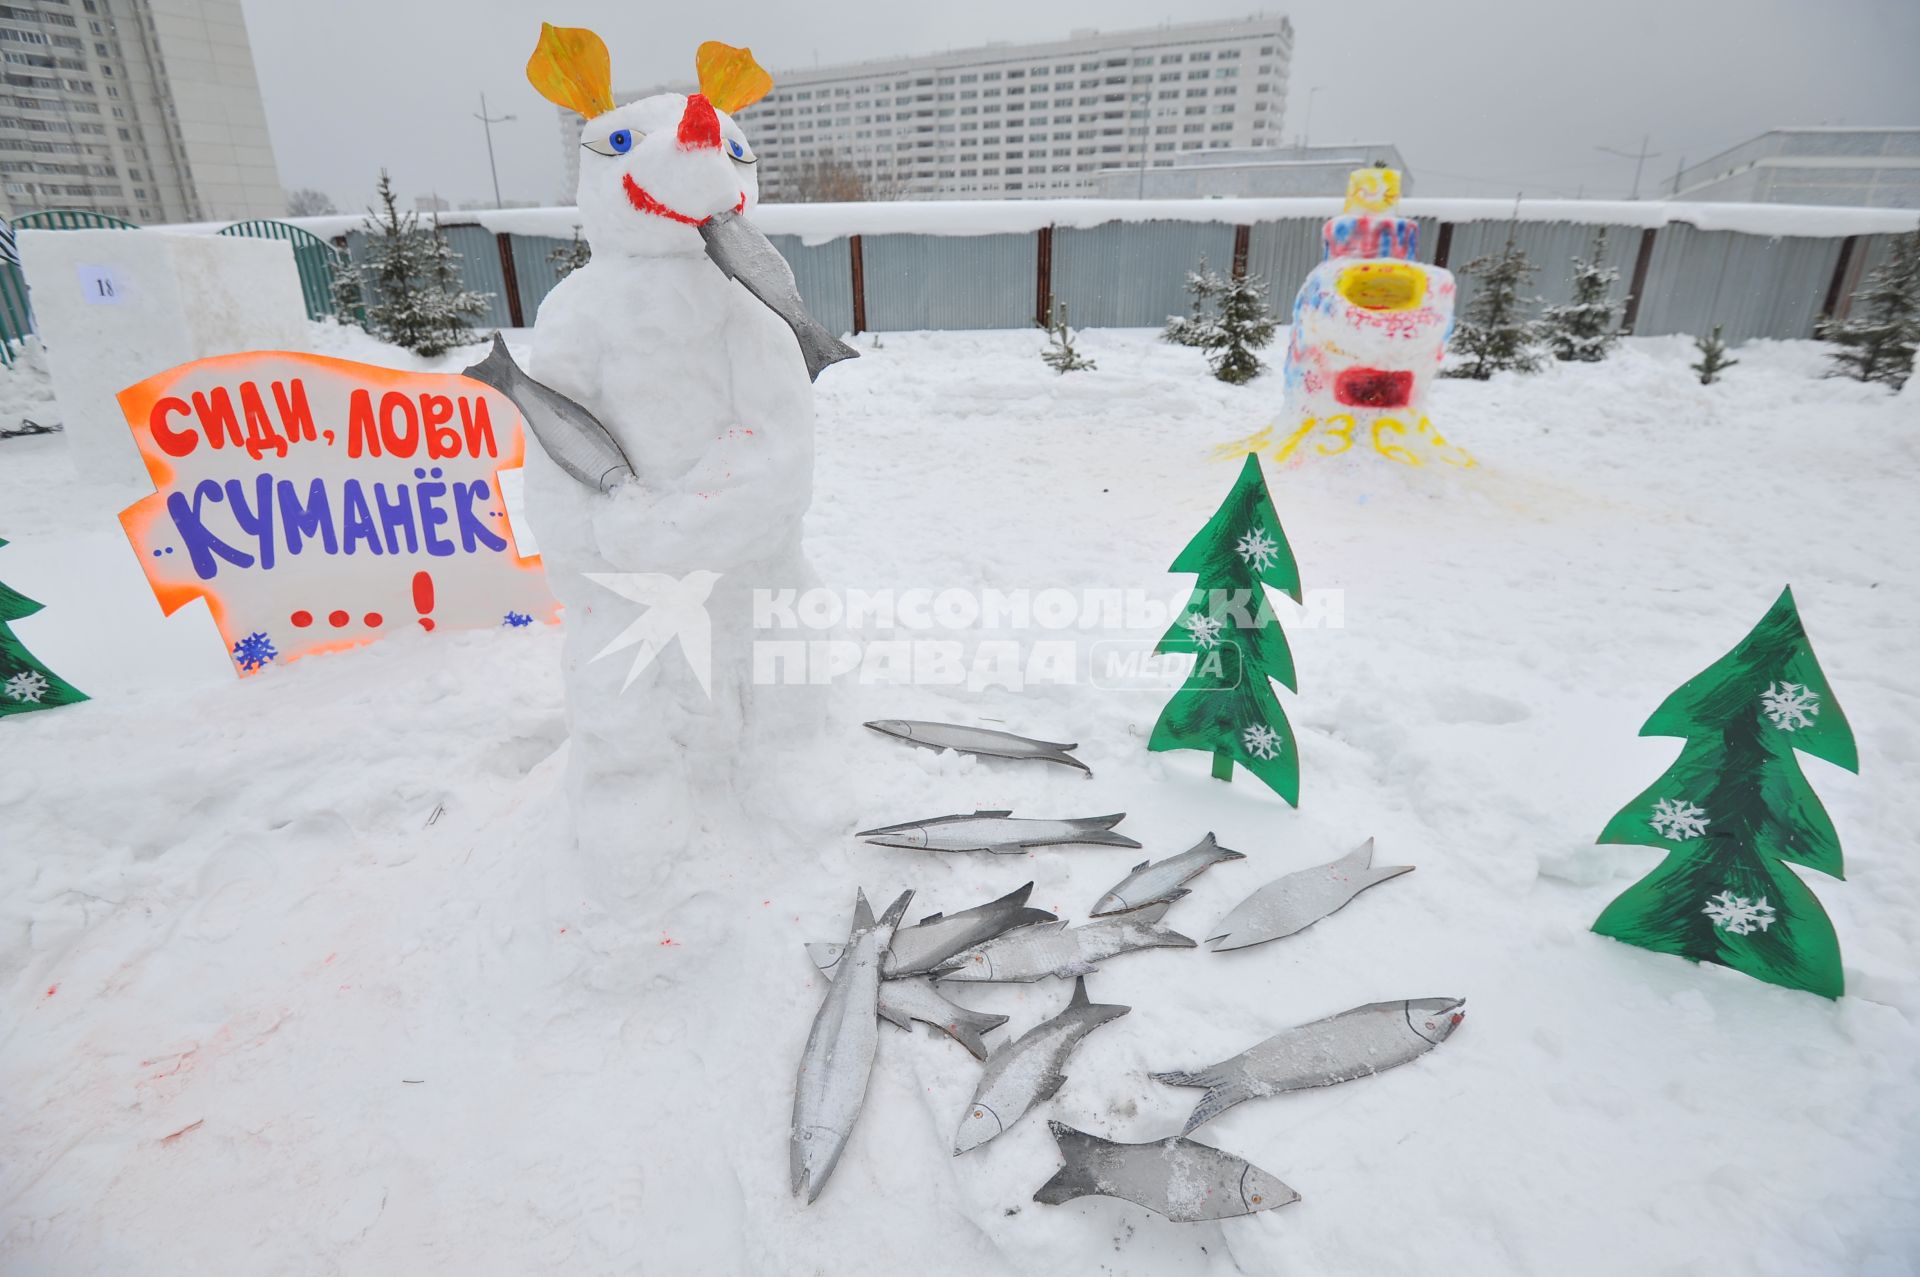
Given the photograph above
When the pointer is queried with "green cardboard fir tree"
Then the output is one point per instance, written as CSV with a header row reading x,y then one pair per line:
x,y
26,684
1734,810
1227,705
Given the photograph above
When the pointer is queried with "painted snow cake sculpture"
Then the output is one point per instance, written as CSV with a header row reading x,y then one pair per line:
x,y
1370,327
671,384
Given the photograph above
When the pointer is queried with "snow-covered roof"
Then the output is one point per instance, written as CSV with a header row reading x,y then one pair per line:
x,y
819,223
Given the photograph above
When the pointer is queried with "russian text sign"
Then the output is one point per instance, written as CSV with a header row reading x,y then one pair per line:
x,y
318,503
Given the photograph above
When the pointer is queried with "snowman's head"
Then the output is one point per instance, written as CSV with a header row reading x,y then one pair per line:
x,y
652,171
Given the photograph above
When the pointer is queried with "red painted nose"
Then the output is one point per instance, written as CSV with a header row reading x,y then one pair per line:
x,y
699,126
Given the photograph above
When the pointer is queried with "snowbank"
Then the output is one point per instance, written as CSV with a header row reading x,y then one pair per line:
x,y
819,223
296,980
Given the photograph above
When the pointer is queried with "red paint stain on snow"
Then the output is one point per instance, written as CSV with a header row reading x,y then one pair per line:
x,y
52,989
191,1126
666,940
563,931
328,959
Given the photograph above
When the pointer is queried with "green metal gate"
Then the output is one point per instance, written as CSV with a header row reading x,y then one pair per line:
x,y
16,316
313,257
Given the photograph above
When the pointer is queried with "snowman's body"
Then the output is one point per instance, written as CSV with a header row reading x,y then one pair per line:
x,y
706,392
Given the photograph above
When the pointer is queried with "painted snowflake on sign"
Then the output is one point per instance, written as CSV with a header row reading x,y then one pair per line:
x,y
1204,629
254,651
26,687
1678,819
518,620
1738,915
1257,548
1790,706
1261,741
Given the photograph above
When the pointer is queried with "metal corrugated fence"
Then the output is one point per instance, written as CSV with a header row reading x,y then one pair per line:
x,y
1133,274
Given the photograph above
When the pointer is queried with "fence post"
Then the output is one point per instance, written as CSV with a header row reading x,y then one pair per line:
x,y
511,279
1242,239
858,260
1443,245
1641,262
1043,283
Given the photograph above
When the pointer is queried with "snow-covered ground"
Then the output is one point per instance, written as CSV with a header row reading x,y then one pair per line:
x,y
294,977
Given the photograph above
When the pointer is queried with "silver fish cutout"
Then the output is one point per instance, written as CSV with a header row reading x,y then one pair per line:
x,y
983,741
997,831
914,998
1150,883
571,435
742,253
834,1068
1299,900
1049,948
1357,1043
1180,1178
937,937
1027,1071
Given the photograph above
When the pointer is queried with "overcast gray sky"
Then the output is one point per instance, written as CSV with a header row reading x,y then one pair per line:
x,y
1483,97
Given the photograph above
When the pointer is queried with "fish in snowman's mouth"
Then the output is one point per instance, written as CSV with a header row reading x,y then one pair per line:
x,y
642,201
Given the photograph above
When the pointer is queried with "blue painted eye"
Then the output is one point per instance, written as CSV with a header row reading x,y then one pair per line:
x,y
621,140
737,149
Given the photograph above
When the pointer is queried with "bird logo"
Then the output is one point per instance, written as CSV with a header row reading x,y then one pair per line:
x,y
675,608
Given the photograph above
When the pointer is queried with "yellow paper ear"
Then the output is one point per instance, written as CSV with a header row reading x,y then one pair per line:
x,y
570,68
729,77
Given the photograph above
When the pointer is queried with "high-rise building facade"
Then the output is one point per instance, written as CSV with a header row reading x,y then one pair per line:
x,y
1007,121
147,110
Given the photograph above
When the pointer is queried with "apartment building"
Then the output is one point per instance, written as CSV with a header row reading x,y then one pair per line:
x,y
148,110
1010,121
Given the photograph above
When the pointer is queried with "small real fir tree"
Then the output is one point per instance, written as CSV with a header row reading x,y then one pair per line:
x,y
1491,334
1713,357
570,256
26,684
418,302
1879,344
1198,326
349,298
1060,354
1227,706
1585,328
1246,325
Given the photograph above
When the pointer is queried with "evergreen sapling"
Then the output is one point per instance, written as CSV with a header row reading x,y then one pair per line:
x,y
1584,329
1491,334
349,298
1246,325
1879,345
1713,357
570,256
418,302
1200,325
1060,354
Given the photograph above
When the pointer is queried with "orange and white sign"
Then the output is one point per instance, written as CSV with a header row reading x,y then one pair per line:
x,y
317,504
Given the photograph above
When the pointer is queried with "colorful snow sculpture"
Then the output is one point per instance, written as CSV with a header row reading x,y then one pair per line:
x,y
1370,327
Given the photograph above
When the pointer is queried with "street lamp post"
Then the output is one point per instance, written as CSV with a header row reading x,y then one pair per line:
x,y
1639,159
1306,129
488,121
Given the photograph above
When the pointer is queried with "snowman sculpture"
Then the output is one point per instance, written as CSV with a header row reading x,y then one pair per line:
x,y
1370,327
675,410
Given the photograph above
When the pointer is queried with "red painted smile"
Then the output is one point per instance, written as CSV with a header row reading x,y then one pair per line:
x,y
645,203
